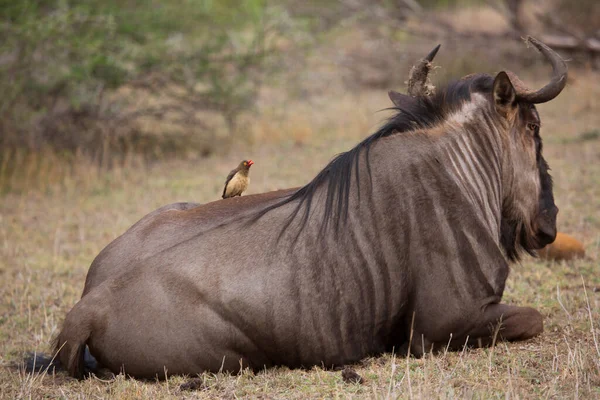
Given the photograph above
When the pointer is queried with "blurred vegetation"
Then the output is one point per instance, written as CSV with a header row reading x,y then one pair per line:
x,y
581,18
64,64
93,82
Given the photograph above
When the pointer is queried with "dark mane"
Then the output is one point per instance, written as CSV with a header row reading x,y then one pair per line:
x,y
422,113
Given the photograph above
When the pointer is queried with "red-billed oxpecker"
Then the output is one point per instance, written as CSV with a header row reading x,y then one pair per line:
x,y
237,181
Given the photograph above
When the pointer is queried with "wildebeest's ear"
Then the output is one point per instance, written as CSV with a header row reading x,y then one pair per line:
x,y
504,94
400,100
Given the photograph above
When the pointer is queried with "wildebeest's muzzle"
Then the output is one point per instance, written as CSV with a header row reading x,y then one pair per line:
x,y
546,226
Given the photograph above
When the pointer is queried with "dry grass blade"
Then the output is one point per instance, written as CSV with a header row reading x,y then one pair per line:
x,y
32,381
589,310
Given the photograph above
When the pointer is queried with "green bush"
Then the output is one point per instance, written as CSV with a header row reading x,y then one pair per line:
x,y
62,61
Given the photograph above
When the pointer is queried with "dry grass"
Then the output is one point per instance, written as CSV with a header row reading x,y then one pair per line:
x,y
48,238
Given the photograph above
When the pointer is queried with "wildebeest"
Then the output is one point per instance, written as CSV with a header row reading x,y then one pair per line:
x,y
407,235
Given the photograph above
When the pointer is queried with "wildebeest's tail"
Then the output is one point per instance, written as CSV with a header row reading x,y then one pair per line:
x,y
38,362
70,344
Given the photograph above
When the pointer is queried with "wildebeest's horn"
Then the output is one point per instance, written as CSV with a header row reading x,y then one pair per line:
x,y
418,77
432,53
552,89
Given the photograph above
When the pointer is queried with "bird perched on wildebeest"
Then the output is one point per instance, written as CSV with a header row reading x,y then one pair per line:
x,y
237,181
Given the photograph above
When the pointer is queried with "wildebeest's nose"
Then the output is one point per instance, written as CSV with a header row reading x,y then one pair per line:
x,y
547,226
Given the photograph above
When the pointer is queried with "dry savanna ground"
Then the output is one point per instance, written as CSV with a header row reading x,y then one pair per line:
x,y
49,237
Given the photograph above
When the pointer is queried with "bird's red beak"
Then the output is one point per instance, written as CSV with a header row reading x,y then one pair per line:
x,y
250,162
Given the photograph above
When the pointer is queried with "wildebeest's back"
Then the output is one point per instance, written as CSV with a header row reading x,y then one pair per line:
x,y
118,255
161,229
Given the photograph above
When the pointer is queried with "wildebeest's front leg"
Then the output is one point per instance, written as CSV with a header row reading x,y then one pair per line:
x,y
497,322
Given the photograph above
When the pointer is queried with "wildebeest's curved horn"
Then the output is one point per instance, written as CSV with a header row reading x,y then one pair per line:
x,y
552,89
418,77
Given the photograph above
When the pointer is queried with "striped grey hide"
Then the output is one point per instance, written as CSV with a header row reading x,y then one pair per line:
x,y
403,241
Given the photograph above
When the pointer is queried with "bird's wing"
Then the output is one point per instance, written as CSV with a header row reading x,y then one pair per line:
x,y
229,177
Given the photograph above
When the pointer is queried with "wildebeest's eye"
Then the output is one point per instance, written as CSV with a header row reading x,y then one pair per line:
x,y
533,126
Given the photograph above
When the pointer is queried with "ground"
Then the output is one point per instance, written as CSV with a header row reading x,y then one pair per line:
x,y
49,237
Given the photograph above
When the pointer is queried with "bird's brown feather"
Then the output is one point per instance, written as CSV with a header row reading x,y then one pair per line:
x,y
229,178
